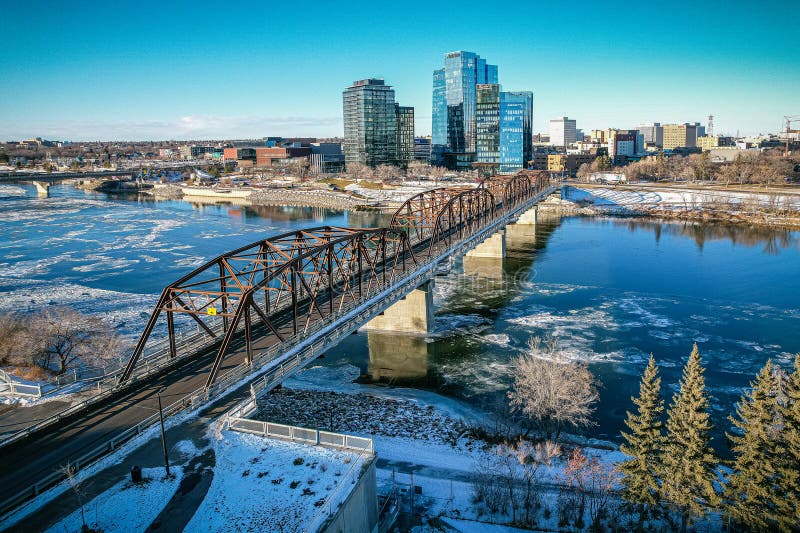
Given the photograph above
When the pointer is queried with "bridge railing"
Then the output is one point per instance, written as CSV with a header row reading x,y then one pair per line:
x,y
288,357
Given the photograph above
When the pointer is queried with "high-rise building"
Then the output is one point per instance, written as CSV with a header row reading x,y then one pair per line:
x,y
405,134
562,132
370,123
504,129
487,125
516,130
680,136
454,134
653,132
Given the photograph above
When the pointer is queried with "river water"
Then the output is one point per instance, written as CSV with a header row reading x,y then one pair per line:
x,y
611,291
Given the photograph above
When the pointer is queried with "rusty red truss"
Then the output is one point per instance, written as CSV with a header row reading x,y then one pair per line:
x,y
284,281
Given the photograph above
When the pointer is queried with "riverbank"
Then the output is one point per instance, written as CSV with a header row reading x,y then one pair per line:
x,y
684,203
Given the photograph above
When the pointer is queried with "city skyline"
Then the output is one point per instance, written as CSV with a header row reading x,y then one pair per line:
x,y
146,73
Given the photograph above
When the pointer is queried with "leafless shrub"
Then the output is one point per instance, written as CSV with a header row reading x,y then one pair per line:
x,y
552,391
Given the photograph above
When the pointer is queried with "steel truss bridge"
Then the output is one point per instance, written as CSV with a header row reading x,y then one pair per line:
x,y
262,312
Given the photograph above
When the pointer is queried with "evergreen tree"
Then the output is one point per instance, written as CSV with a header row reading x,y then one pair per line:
x,y
788,503
688,461
644,443
751,495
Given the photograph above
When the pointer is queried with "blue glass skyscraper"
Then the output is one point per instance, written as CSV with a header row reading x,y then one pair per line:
x,y
454,112
516,130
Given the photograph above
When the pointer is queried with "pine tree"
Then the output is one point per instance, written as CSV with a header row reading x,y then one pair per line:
x,y
644,442
788,503
751,494
688,461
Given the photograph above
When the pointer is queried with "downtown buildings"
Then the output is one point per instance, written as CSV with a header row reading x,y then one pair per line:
x,y
377,131
563,132
474,123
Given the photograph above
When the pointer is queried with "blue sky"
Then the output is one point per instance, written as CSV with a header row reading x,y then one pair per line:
x,y
183,70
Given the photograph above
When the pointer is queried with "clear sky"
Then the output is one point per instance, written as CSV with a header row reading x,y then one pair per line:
x,y
191,70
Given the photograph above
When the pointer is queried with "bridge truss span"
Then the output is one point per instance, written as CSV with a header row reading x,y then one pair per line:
x,y
279,284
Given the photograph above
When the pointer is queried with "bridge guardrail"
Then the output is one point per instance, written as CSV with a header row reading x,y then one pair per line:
x,y
391,290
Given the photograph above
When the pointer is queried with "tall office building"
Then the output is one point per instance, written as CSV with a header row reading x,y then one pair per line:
x,y
504,130
487,126
405,134
516,130
454,134
653,132
371,120
680,136
563,132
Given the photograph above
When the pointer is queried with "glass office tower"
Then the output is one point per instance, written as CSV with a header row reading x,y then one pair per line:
x,y
487,125
454,116
370,123
439,118
516,130
405,134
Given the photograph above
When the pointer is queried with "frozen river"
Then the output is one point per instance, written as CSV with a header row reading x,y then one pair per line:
x,y
611,291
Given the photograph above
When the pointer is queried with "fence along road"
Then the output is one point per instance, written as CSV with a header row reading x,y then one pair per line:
x,y
31,465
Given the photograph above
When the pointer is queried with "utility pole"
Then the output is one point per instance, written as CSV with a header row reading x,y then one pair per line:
x,y
163,434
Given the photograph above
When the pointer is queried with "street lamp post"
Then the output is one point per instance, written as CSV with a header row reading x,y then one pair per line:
x,y
163,434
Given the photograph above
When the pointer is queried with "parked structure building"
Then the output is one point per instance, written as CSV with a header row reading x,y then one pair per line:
x,y
370,123
453,129
562,132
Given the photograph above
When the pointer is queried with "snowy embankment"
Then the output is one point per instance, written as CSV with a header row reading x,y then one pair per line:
x,y
419,437
263,484
630,197
690,204
126,506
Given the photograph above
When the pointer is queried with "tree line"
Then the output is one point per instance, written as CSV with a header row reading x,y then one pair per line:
x,y
673,469
768,167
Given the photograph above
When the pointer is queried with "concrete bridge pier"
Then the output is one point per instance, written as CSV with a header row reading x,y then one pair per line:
x,y
42,189
530,217
412,314
486,259
521,236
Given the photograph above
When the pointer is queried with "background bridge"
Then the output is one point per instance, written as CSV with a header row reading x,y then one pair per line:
x,y
264,311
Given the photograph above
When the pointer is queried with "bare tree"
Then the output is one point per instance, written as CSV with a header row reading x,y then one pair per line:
x,y
530,458
358,171
15,348
418,169
62,338
386,172
551,391
298,166
69,471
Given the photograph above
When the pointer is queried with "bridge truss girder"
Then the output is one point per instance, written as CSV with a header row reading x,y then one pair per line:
x,y
304,274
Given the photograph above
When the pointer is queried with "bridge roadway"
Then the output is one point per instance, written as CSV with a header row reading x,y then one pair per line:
x,y
31,459
38,456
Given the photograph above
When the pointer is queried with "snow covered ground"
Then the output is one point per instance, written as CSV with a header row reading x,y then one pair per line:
x,y
625,198
127,506
268,485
